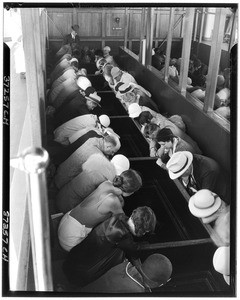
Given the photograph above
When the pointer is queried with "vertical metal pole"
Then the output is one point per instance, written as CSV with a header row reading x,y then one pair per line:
x,y
169,43
214,60
34,162
150,22
186,49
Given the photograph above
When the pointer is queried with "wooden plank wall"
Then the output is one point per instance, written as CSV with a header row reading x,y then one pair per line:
x,y
98,26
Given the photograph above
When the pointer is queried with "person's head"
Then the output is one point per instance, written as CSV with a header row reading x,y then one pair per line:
x,y
180,164
111,144
128,181
126,92
156,270
106,50
92,98
150,130
74,65
165,137
116,74
205,204
143,220
145,117
75,29
83,82
98,54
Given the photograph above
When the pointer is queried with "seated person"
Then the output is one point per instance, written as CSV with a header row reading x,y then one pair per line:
x,y
69,128
224,111
169,144
198,172
106,245
95,171
152,129
77,106
121,76
133,277
158,59
172,70
198,76
107,56
65,49
134,93
106,145
61,82
101,204
61,67
100,65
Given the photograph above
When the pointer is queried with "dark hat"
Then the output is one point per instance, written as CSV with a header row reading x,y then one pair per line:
x,y
91,94
164,135
75,27
157,268
144,220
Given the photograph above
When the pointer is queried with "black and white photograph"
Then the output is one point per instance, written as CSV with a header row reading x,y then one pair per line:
x,y
119,142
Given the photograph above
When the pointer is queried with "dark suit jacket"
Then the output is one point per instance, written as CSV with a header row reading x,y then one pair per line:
x,y
208,175
102,249
75,107
69,40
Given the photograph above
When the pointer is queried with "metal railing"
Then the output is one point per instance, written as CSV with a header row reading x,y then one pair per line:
x,y
33,161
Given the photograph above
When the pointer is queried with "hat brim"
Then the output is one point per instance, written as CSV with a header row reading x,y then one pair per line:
x,y
227,279
134,115
94,100
177,175
203,212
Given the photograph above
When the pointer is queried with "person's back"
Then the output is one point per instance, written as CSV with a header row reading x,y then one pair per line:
x,y
66,130
76,107
72,166
209,175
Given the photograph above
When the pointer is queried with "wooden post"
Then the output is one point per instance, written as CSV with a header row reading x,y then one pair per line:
x,y
126,27
142,34
169,43
31,74
233,31
186,49
214,60
149,37
103,27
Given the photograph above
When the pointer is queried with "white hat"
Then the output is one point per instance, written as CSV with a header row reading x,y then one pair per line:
x,y
204,203
104,120
125,88
221,262
101,62
83,82
115,72
134,110
121,163
199,93
94,97
179,163
73,59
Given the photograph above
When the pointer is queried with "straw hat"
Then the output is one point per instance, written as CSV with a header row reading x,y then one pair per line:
x,y
221,262
134,110
204,203
179,163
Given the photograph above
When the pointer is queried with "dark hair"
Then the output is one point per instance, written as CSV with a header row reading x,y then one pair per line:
x,y
165,135
74,64
132,178
98,52
150,128
145,117
144,220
